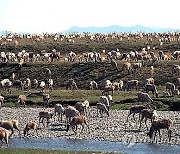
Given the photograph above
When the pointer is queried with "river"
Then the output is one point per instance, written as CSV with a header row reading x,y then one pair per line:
x,y
92,145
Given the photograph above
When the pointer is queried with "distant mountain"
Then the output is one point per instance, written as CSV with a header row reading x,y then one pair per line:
x,y
109,29
132,29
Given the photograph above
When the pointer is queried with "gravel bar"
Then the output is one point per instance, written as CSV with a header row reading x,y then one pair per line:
x,y
112,128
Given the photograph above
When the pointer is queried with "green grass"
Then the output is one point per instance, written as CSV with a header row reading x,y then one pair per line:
x,y
122,100
39,151
34,97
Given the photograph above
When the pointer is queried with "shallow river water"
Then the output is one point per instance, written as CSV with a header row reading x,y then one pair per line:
x,y
90,145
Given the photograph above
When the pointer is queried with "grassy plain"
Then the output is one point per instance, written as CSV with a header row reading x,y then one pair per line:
x,y
121,99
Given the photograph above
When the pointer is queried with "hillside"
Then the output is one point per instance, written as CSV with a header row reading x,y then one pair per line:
x,y
85,72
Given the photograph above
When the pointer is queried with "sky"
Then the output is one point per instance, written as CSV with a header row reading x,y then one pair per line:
x,y
37,16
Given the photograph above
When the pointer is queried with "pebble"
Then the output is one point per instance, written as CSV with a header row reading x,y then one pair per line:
x,y
112,128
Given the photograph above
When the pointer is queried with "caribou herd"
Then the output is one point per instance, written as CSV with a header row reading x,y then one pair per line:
x,y
133,61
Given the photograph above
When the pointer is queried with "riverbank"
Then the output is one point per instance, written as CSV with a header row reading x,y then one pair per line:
x,y
112,128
